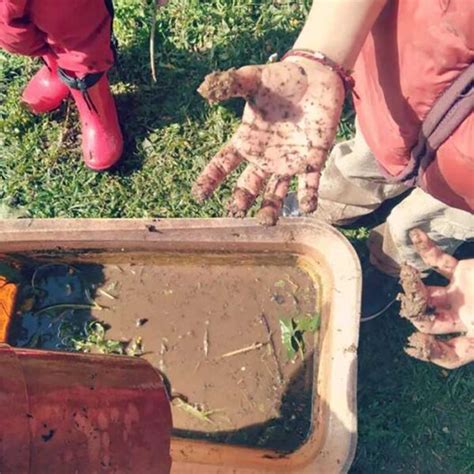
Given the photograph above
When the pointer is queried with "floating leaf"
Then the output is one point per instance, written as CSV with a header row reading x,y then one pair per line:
x,y
135,348
310,323
92,340
293,330
195,410
287,329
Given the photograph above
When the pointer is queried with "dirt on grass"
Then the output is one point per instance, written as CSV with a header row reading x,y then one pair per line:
x,y
210,324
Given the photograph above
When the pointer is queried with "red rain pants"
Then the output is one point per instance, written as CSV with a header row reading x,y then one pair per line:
x,y
78,32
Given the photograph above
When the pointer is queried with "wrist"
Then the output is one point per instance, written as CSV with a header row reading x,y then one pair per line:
x,y
338,28
307,56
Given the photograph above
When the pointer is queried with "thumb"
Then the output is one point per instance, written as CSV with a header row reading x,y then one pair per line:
x,y
222,85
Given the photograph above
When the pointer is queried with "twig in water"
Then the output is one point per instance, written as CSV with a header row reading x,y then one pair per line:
x,y
195,410
91,300
264,320
205,342
106,294
253,347
67,306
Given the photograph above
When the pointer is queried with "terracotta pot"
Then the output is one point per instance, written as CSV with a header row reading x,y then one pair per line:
x,y
76,413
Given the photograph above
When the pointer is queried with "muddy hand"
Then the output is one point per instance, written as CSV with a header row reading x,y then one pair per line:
x,y
288,126
448,309
450,354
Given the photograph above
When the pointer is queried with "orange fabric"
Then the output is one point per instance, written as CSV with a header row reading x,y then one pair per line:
x,y
414,52
8,293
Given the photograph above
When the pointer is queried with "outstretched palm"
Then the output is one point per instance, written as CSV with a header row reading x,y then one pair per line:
x,y
452,309
288,126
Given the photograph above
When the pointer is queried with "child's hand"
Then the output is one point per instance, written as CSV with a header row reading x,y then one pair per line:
x,y
288,126
452,309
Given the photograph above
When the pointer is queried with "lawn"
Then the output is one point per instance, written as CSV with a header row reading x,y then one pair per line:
x,y
413,417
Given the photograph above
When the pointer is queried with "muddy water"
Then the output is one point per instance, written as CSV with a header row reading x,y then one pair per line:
x,y
190,312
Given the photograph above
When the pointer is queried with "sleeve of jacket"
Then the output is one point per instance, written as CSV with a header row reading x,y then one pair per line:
x,y
18,34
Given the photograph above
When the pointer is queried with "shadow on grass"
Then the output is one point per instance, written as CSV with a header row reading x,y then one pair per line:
x,y
173,98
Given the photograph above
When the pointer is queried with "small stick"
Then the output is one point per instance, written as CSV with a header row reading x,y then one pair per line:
x,y
152,41
253,347
65,126
67,306
105,293
205,342
264,320
195,410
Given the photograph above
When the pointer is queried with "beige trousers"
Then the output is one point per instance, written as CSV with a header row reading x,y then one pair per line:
x,y
352,186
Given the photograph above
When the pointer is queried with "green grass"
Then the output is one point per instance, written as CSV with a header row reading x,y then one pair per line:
x,y
413,417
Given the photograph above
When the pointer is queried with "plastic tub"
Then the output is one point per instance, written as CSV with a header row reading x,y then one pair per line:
x,y
323,251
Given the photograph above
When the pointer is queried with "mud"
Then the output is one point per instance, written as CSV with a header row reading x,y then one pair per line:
x,y
430,348
189,312
414,300
219,86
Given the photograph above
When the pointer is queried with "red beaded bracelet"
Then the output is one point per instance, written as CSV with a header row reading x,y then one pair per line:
x,y
321,58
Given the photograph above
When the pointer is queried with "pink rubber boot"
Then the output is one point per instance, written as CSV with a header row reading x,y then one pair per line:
x,y
102,141
45,91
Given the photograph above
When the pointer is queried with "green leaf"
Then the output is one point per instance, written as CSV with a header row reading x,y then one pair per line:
x,y
292,333
98,331
310,323
287,329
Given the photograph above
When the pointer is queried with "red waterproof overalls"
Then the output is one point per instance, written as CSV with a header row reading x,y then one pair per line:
x,y
77,31
73,37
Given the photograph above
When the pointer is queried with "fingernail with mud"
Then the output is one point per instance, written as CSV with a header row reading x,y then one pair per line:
x,y
308,204
200,193
235,212
267,216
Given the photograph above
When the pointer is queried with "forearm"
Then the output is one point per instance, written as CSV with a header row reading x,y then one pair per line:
x,y
338,28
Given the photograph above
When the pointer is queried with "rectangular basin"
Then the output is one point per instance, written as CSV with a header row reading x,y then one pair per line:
x,y
323,252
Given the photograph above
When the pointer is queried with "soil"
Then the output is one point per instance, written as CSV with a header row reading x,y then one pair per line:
x,y
414,300
219,86
427,347
189,312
